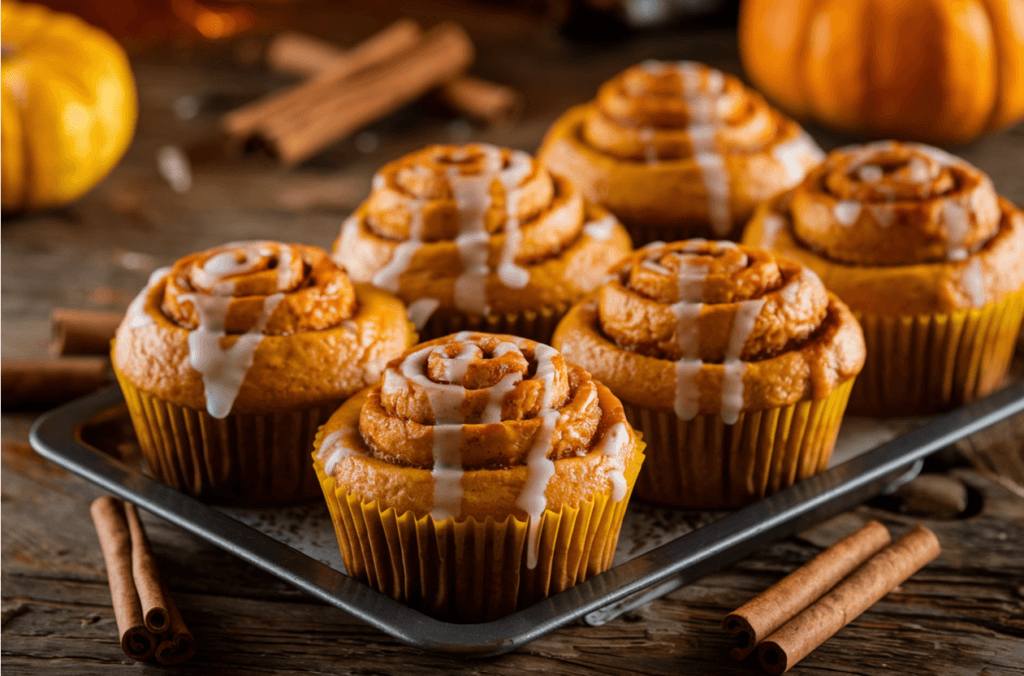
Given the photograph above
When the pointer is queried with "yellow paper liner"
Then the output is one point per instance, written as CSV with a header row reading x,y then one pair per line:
x,y
536,324
469,570
242,459
927,363
705,464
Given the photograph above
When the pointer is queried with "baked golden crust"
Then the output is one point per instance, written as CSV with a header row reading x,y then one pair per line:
x,y
315,336
899,229
707,327
679,145
521,429
478,230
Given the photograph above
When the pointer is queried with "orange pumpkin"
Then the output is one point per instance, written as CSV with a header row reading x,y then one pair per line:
x,y
942,71
68,106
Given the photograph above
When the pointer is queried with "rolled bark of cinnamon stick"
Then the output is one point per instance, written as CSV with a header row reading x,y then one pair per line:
x,y
468,95
152,596
444,52
755,620
177,644
389,43
877,577
82,331
137,641
51,381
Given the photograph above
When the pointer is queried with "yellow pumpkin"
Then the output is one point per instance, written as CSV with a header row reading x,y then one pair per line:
x,y
68,106
941,71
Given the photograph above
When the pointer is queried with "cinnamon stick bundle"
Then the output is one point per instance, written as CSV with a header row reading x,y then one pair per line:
x,y
468,95
148,620
334,112
848,600
51,381
82,331
758,618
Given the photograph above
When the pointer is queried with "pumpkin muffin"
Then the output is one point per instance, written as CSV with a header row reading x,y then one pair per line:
x,y
677,150
735,364
928,257
479,237
233,357
481,475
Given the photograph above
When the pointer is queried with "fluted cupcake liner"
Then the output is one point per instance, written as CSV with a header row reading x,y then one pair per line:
x,y
706,464
536,324
469,570
241,459
927,363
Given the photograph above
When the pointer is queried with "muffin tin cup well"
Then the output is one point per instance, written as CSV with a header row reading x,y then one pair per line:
x,y
536,324
469,570
241,459
928,363
706,464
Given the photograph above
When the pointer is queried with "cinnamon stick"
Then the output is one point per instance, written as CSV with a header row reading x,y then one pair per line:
x,y
82,331
759,617
471,96
877,577
148,620
389,43
137,641
50,381
444,52
177,644
152,598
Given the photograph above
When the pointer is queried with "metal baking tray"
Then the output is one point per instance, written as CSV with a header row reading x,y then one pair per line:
x,y
681,560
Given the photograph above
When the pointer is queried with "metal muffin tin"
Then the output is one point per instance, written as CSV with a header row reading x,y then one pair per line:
x,y
687,558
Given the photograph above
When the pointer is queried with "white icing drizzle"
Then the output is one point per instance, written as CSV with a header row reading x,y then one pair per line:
x,y
687,403
974,282
691,294
650,152
136,314
540,469
389,276
870,173
333,450
882,213
958,226
420,311
733,367
846,212
715,180
614,443
772,225
347,239
600,229
223,370
794,153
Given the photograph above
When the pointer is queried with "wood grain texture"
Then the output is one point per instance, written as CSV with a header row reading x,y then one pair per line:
x,y
963,614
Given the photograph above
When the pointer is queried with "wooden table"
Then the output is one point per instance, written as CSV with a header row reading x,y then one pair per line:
x,y
963,614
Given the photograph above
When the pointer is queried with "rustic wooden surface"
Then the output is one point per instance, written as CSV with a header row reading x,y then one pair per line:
x,y
963,614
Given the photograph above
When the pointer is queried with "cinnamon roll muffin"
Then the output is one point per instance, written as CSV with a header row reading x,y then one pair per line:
x,y
735,364
482,474
926,254
233,357
677,150
479,237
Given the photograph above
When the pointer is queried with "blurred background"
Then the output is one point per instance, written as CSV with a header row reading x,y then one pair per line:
x,y
186,182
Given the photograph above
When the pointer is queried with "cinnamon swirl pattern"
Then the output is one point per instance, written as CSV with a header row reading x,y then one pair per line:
x,y
489,446
927,256
231,358
479,237
678,149
734,364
